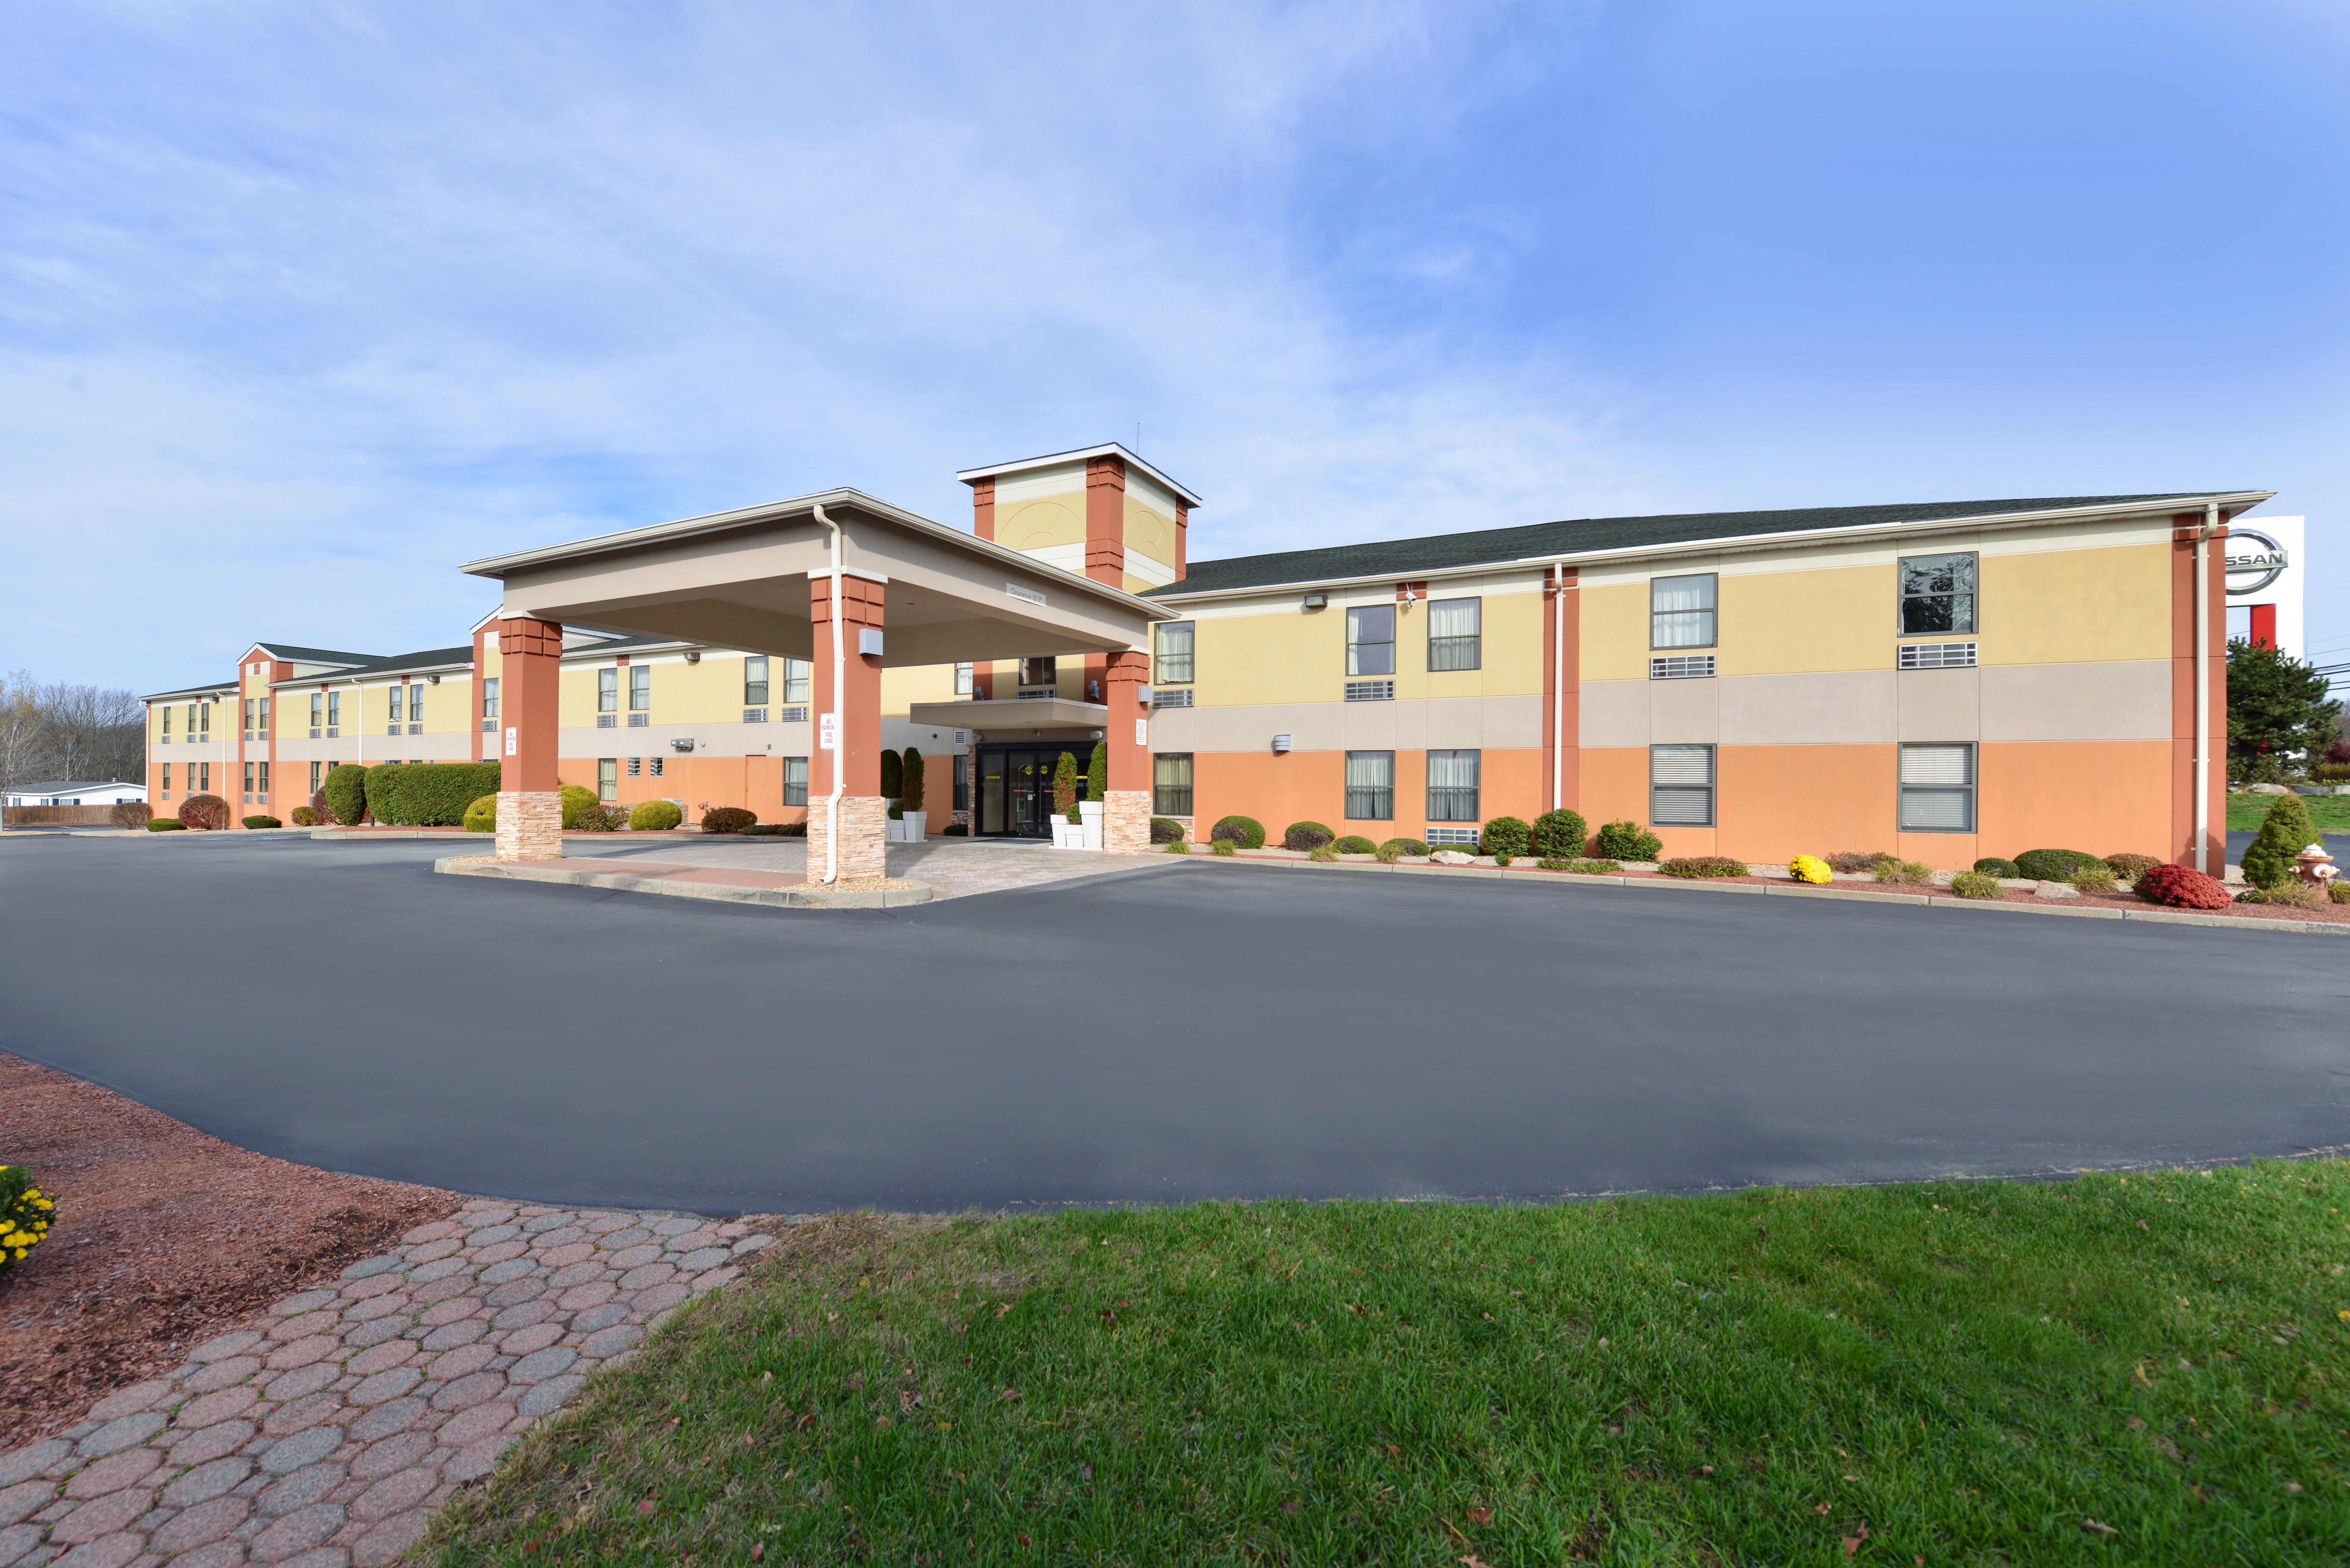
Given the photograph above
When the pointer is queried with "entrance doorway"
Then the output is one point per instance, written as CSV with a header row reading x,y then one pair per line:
x,y
1015,787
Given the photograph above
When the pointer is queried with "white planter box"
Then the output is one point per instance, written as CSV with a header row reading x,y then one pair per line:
x,y
913,826
1090,823
1067,834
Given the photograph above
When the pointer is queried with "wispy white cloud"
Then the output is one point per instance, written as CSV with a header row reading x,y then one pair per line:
x,y
302,306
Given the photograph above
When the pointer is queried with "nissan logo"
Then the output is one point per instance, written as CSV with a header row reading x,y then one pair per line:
x,y
2254,561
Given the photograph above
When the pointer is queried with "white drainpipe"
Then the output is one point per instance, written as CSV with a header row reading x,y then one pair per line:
x,y
2203,687
1558,693
839,676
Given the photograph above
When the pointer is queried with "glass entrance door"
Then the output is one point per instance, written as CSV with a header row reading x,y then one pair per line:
x,y
1015,791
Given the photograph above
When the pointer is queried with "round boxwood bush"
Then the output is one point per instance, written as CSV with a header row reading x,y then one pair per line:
x,y
2182,887
205,813
1394,847
2053,865
165,825
655,816
728,819
1356,843
1977,884
1242,832
482,816
305,817
344,793
1560,835
1992,866
1305,836
1506,838
1165,830
597,817
261,821
1701,866
576,798
1629,841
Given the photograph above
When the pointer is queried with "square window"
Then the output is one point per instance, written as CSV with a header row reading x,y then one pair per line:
x,y
1370,640
1680,611
1040,672
1171,783
1452,786
1454,634
1938,593
1173,666
1370,786
1680,787
795,780
1938,788
636,767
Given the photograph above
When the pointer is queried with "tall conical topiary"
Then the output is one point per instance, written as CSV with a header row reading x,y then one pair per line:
x,y
893,775
911,795
2287,832
1097,774
1065,786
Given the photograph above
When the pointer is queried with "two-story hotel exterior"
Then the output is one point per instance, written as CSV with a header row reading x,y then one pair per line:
x,y
1946,680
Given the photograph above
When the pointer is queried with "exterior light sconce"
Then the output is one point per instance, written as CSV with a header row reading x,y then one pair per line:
x,y
1317,601
1142,695
869,641
1101,734
1281,742
432,680
693,656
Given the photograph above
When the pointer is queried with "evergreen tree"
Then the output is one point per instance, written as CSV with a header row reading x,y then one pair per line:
x,y
2277,708
910,792
893,775
2286,832
1097,773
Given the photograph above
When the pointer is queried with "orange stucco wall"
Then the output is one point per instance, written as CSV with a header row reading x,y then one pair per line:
x,y
756,783
1280,788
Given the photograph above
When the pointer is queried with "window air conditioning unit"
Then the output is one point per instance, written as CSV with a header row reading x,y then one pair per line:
x,y
681,745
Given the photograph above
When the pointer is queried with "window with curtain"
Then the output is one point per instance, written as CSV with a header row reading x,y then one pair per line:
x,y
395,702
415,704
490,698
1452,786
1680,611
1454,640
1171,783
962,683
248,717
316,769
334,704
167,778
201,713
755,680
799,677
1938,789
1370,640
166,711
318,710
263,788
1680,787
206,784
640,688
608,778
607,691
795,781
1938,593
1174,667
1370,786
248,779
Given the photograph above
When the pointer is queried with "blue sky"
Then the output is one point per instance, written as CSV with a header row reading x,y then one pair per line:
x,y
302,304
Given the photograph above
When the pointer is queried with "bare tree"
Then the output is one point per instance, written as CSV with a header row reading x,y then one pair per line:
x,y
62,731
22,728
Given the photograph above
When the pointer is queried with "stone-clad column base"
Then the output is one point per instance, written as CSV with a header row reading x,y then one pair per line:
x,y
863,827
530,825
1125,821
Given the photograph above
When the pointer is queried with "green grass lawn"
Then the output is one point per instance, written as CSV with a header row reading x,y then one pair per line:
x,y
1951,1373
2331,812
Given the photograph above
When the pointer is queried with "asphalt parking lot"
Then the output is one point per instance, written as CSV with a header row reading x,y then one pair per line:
x,y
1180,1032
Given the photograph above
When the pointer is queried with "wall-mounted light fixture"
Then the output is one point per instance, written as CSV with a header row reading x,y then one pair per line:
x,y
1317,601
1142,695
693,656
681,745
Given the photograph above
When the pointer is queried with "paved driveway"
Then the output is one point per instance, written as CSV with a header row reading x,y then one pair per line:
x,y
1184,1030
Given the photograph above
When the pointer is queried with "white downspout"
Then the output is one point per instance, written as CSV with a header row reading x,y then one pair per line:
x,y
1558,687
2203,687
839,677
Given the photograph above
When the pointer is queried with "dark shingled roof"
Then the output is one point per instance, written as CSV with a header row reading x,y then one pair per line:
x,y
1436,552
426,659
287,652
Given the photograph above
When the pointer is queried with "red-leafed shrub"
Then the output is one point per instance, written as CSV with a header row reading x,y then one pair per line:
x,y
130,813
208,812
727,819
2182,887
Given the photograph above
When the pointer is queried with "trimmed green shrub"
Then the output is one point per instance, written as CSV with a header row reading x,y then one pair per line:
x,y
1506,838
893,775
1992,866
897,811
793,830
1305,836
760,830
956,830
1243,831
1223,847
2097,878
1397,848
1064,788
728,819
482,816
577,799
2339,891
305,817
1694,866
597,817
130,814
1356,843
1560,835
2182,887
2052,865
655,816
2130,867
2285,832
26,1212
345,793
262,820
165,825
1594,868
1977,884
1165,830
1629,841
1097,774
204,813
428,795
909,794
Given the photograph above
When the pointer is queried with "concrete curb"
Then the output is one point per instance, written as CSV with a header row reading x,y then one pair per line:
x,y
1675,885
772,897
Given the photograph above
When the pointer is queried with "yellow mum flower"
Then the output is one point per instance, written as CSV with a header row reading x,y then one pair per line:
x,y
1810,868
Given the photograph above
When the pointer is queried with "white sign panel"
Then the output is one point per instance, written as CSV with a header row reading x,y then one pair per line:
x,y
828,733
1142,731
510,741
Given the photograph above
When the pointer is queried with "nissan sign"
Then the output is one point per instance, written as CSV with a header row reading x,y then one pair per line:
x,y
2254,560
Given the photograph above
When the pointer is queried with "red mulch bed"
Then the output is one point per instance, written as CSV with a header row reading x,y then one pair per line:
x,y
163,1237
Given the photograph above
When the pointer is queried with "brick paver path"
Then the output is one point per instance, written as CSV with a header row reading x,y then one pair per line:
x,y
328,1437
